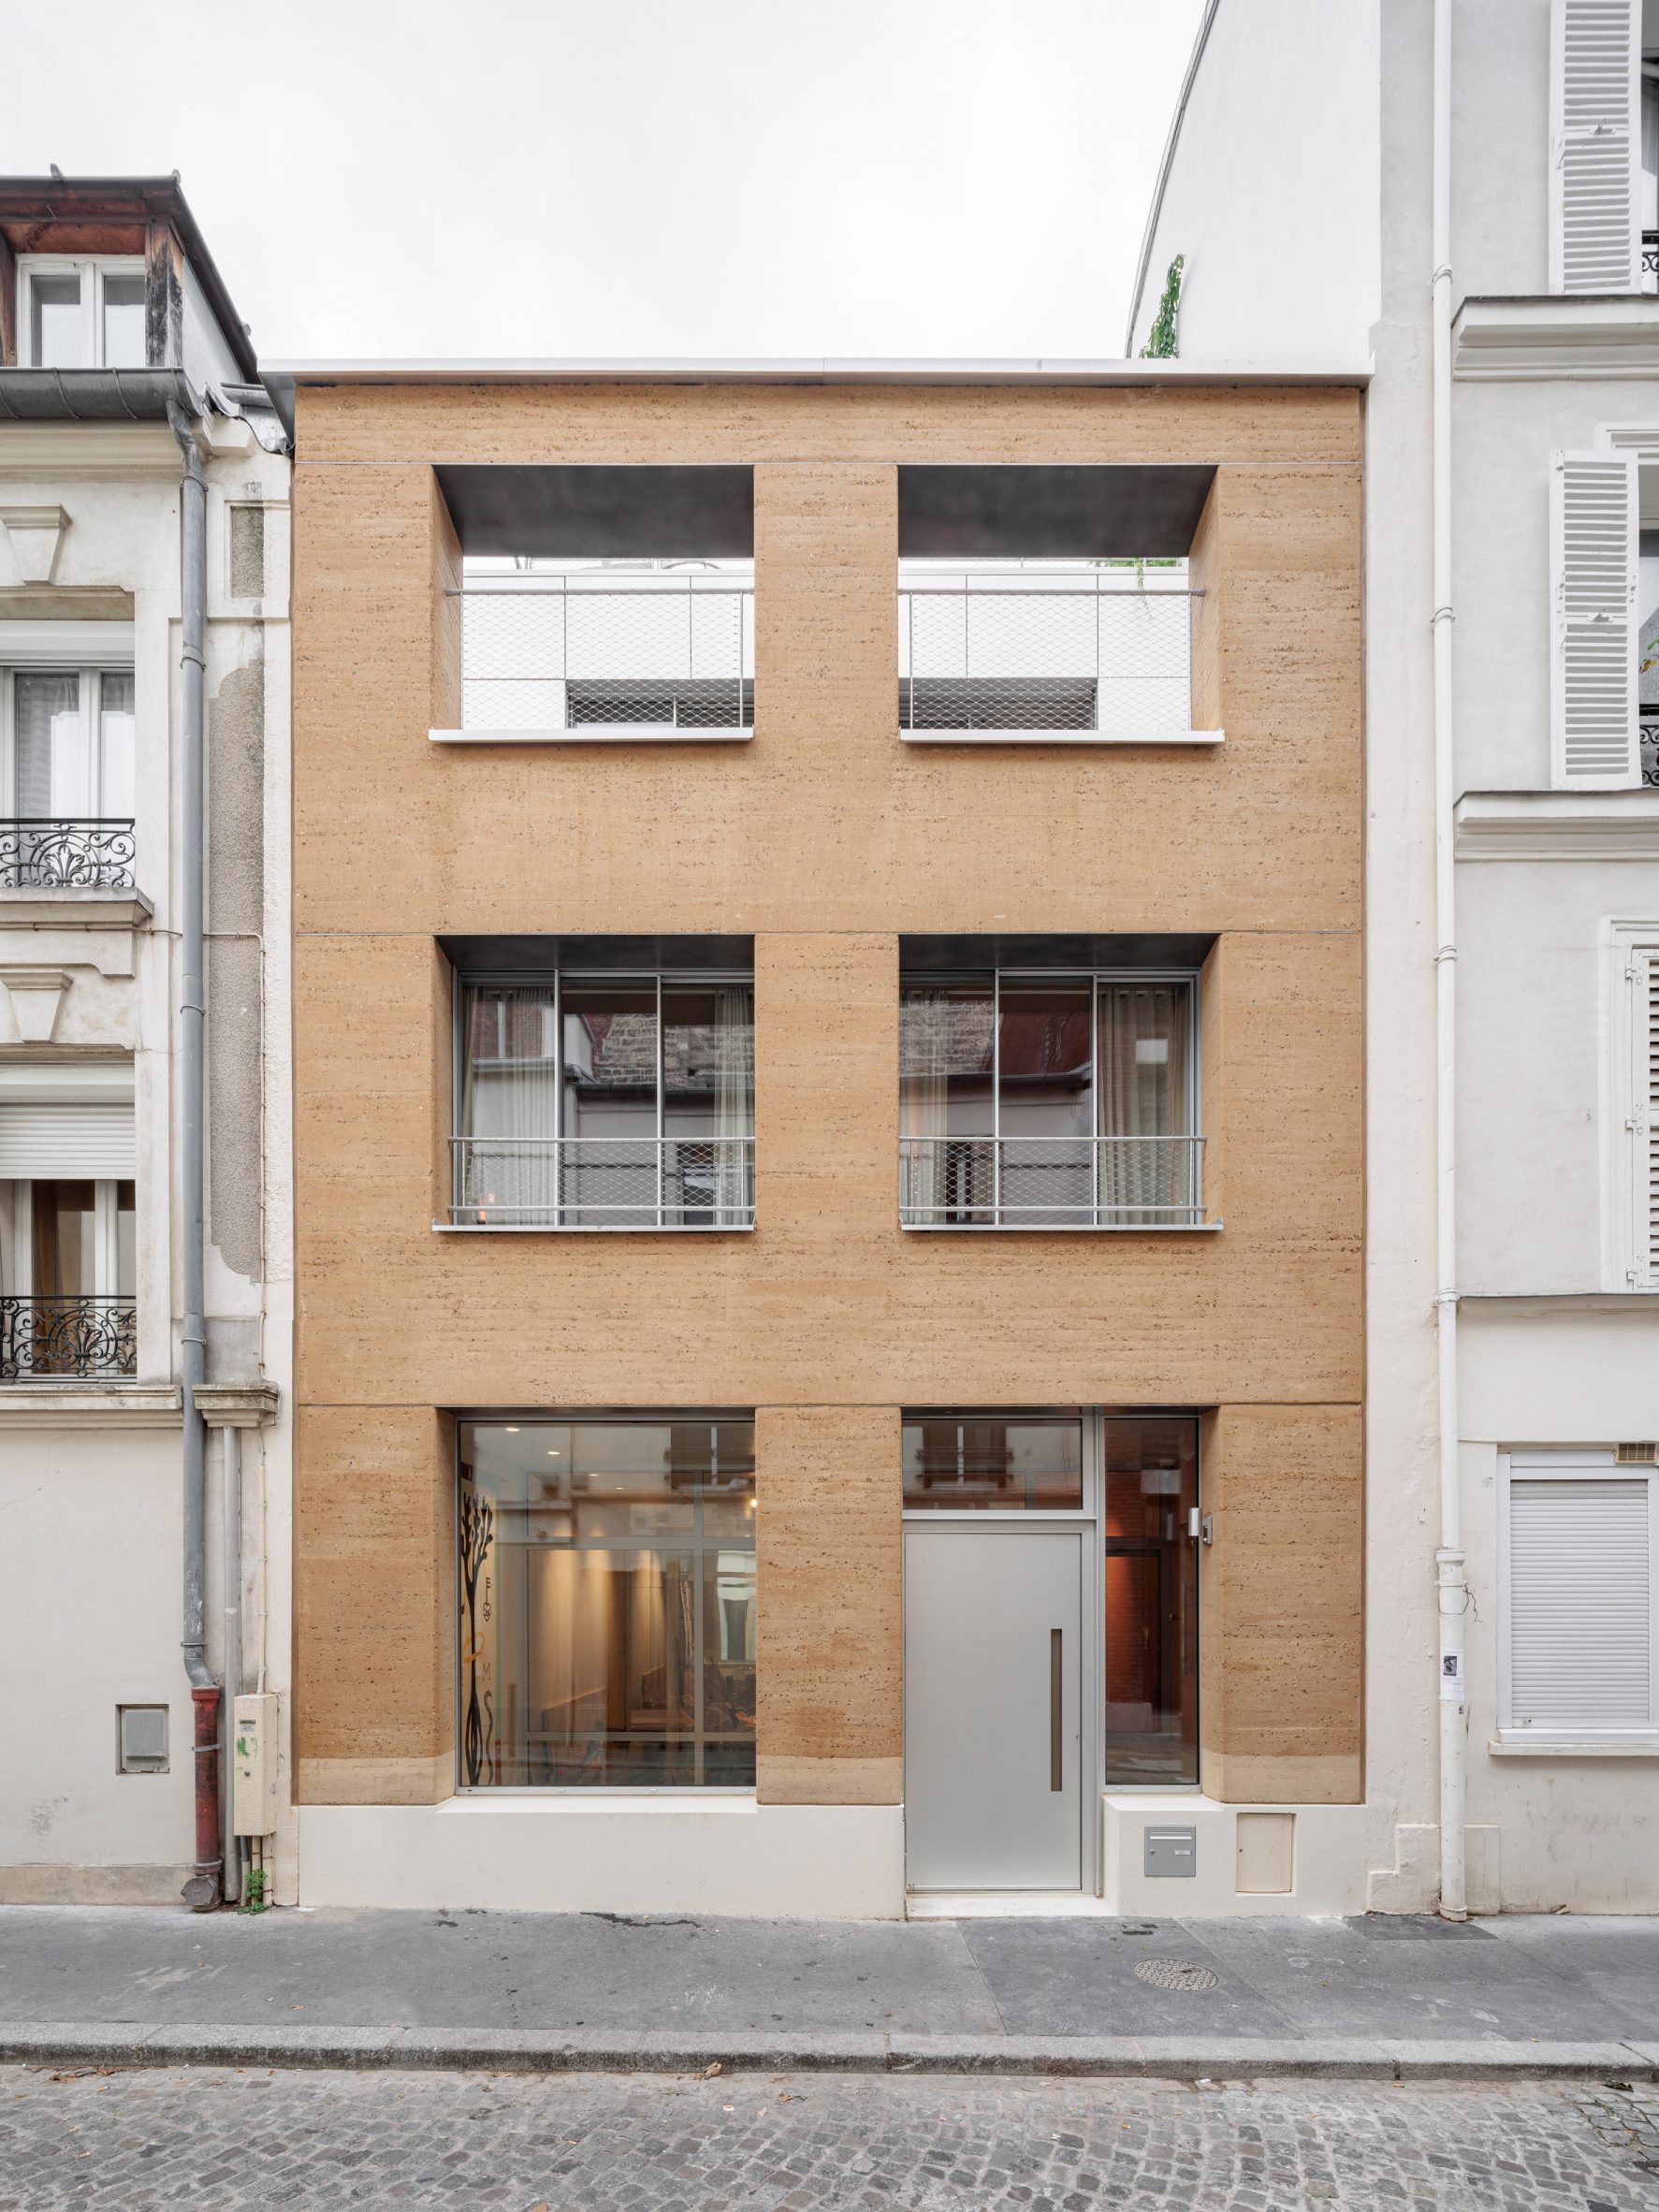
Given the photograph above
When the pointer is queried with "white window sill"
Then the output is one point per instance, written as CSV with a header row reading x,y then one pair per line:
x,y
1576,1747
1062,1228
593,1229
88,1404
599,734
1106,737
74,906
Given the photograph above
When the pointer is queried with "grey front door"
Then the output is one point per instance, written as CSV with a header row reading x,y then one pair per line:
x,y
993,1705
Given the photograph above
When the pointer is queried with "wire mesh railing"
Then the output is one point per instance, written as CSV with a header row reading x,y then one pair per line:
x,y
1107,659
648,659
603,1182
1051,1182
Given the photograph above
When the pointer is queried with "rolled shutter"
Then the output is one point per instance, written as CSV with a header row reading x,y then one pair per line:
x,y
49,1141
1596,146
1594,735
1581,1606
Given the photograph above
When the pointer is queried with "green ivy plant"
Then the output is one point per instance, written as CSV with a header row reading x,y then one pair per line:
x,y
1162,342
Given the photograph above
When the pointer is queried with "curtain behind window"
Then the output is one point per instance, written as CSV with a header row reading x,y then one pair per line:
x,y
510,1097
1143,1075
51,778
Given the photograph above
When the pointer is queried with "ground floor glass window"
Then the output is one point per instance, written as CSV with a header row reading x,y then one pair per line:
x,y
1151,1599
606,1603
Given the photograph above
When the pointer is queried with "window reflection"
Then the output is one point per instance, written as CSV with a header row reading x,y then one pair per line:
x,y
954,1463
1151,1600
606,1603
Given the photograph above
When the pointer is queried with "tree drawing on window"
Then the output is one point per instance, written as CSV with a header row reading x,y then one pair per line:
x,y
477,1530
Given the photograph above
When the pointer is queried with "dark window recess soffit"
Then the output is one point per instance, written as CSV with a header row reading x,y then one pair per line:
x,y
1076,952
616,956
1147,513
603,514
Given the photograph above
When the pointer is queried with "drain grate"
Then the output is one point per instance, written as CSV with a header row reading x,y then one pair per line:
x,y
1175,1973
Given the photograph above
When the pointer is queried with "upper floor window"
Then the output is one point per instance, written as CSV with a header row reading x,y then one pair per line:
x,y
81,314
605,1102
1031,1100
68,1244
67,777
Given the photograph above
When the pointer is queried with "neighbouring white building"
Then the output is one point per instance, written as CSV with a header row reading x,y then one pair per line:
x,y
1468,190
145,1273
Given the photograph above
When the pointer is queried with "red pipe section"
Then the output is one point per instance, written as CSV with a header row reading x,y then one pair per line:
x,y
205,1887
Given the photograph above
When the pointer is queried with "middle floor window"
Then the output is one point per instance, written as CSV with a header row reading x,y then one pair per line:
x,y
1029,1101
605,1102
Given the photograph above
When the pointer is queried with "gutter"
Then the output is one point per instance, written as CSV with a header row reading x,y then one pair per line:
x,y
96,395
1139,289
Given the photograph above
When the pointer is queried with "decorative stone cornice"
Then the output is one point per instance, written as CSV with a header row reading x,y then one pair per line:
x,y
1557,336
1558,825
237,1406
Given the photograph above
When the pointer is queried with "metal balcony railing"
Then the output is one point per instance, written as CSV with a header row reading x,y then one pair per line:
x,y
603,1182
649,660
1087,656
1650,748
62,1338
1650,261
1051,1182
38,854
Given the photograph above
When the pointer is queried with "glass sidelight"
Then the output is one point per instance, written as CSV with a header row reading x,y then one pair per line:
x,y
606,1603
1150,1601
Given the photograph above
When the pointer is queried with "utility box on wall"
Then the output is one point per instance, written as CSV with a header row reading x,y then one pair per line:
x,y
252,1767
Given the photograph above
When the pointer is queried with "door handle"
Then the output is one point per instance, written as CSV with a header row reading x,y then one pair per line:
x,y
1055,1700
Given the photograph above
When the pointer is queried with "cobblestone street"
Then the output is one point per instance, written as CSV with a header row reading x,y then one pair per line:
x,y
234,2140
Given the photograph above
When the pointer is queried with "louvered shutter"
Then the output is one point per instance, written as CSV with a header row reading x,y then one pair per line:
x,y
1596,146
1645,1119
1580,1605
67,1140
1594,742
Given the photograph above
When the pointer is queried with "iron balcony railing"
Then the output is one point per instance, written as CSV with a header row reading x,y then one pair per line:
x,y
1051,1182
646,660
1106,657
603,1182
39,853
62,1338
1650,261
1650,747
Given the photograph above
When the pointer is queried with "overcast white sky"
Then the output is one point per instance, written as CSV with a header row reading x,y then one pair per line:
x,y
617,177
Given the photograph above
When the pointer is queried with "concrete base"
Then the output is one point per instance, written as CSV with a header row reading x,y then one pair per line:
x,y
48,1885
1326,1866
721,1856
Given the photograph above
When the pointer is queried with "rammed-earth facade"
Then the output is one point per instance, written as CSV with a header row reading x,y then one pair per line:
x,y
829,862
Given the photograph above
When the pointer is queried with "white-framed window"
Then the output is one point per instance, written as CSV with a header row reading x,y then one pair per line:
x,y
67,744
1631,1096
68,1250
82,314
1578,1632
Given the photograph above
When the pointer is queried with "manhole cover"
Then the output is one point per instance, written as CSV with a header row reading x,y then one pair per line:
x,y
1175,1973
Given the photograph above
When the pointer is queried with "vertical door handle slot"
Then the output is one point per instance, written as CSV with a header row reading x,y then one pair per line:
x,y
1056,1701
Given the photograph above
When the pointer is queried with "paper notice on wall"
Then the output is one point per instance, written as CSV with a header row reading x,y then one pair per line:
x,y
1451,1678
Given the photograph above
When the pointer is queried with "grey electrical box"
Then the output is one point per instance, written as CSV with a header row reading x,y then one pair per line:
x,y
141,1739
1172,1851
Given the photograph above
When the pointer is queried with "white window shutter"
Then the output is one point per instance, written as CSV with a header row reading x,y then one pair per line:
x,y
67,1141
1645,1119
1581,1606
1594,734
1596,146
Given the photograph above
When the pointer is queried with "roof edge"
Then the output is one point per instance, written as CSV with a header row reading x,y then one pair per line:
x,y
1138,291
812,370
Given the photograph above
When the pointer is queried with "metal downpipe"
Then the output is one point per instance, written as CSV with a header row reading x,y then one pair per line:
x,y
204,1888
1450,1587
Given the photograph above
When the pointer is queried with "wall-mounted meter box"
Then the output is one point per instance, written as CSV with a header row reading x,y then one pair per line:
x,y
252,1766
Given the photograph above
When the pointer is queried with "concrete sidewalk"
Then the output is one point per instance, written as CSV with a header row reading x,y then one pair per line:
x,y
1380,1997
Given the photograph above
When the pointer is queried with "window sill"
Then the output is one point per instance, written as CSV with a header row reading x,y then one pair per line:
x,y
1115,738
1576,1747
595,1228
86,1404
1062,1228
598,734
73,906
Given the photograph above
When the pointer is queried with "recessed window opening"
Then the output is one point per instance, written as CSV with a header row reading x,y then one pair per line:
x,y
1647,617
1049,1100
606,1603
67,777
597,1100
82,313
67,1260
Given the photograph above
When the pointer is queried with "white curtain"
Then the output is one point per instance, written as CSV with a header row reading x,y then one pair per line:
x,y
51,778
924,1093
1142,1051
510,1101
734,1103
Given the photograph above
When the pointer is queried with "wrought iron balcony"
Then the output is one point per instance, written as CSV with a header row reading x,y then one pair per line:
x,y
62,1338
1650,261
1650,748
1052,1183
39,853
670,659
563,1182
1081,659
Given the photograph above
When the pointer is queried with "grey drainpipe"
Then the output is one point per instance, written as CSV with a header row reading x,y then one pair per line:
x,y
203,1890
